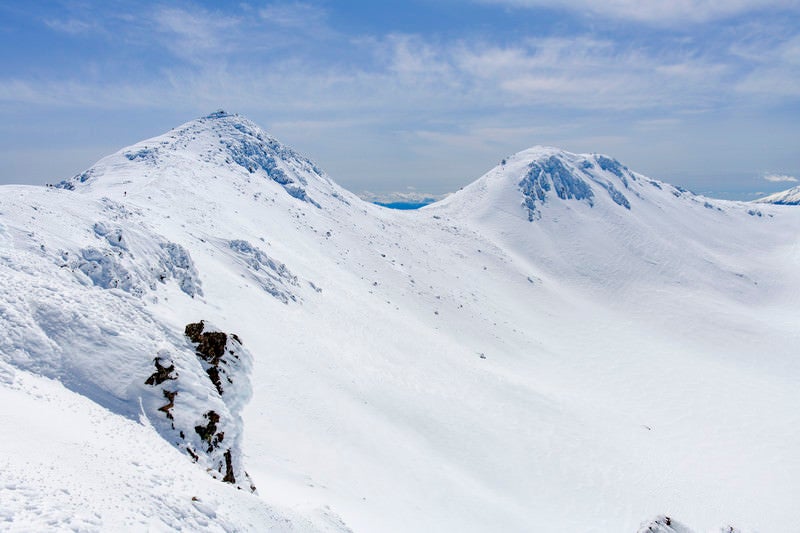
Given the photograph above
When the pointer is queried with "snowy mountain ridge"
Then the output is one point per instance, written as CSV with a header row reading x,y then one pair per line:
x,y
787,197
219,140
558,345
543,174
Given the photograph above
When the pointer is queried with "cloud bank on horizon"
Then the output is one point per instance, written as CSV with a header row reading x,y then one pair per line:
x,y
425,94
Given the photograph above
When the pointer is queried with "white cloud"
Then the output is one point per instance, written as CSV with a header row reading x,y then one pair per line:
x,y
70,26
779,178
590,74
775,67
73,93
226,60
410,75
656,11
195,36
296,15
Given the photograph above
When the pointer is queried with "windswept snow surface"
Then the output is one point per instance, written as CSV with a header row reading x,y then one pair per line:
x,y
563,345
68,464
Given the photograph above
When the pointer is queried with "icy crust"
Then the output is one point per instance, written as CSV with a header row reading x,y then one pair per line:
x,y
221,140
570,180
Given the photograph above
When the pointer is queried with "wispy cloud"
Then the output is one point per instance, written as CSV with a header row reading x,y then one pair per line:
x,y
295,15
580,72
229,57
197,35
409,72
656,11
71,26
779,178
74,93
775,67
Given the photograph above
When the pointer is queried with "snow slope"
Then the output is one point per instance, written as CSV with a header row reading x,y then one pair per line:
x,y
787,197
562,345
70,465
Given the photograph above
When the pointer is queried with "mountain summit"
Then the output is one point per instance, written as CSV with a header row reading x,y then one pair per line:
x,y
563,345
787,197
218,142
542,176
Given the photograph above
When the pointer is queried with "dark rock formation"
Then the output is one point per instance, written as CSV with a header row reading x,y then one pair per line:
x,y
210,348
162,373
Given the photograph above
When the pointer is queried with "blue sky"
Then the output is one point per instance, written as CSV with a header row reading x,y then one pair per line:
x,y
418,95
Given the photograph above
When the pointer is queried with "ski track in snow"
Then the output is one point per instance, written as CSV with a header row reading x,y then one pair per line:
x,y
562,345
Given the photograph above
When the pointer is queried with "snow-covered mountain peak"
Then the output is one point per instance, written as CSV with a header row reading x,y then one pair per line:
x,y
218,145
787,197
543,175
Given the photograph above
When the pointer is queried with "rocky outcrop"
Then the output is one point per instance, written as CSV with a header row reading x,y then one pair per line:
x,y
204,394
212,348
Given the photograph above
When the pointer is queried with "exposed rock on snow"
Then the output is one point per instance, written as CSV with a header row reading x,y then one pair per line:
x,y
209,430
165,369
552,174
220,355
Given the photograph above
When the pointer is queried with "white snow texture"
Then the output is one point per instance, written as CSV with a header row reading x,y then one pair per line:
x,y
563,345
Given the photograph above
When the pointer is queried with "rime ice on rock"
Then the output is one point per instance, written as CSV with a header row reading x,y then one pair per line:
x,y
271,275
569,177
133,265
551,174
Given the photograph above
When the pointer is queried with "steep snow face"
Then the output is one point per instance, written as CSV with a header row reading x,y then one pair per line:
x,y
563,345
787,197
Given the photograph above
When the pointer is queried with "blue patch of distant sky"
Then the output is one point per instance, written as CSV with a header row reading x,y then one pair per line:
x,y
417,95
